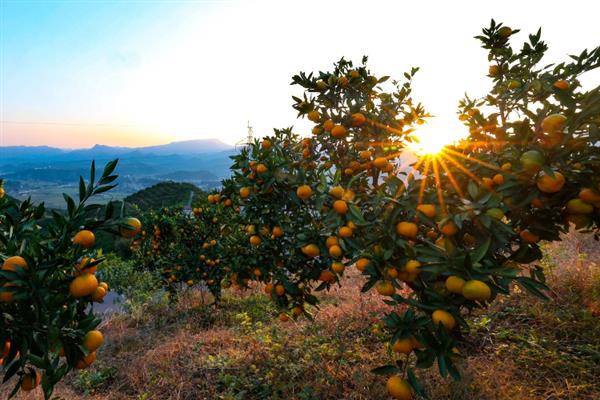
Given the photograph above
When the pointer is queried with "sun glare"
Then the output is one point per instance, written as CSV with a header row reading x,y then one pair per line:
x,y
431,137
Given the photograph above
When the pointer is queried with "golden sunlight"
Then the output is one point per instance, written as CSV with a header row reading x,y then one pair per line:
x,y
434,135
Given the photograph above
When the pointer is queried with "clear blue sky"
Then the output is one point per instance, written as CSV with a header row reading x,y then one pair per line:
x,y
75,73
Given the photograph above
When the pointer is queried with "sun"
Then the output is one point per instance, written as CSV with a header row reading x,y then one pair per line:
x,y
433,136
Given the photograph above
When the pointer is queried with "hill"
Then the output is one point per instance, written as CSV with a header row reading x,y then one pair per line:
x,y
164,194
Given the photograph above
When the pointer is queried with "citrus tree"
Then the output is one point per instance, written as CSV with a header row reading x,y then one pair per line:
x,y
47,283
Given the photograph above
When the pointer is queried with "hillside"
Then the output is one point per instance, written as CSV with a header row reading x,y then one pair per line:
x,y
163,194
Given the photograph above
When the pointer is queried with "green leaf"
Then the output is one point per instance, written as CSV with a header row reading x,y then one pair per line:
x,y
385,370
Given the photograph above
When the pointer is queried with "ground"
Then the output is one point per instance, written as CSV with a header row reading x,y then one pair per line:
x,y
519,348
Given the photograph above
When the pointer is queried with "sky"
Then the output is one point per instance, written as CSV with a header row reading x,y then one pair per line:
x,y
75,73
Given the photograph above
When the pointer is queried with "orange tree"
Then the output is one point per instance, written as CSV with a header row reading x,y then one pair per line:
x,y
48,286
454,230
183,247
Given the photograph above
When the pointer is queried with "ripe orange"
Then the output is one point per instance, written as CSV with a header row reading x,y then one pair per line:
x,y
365,154
11,263
449,228
358,119
7,296
337,267
255,240
85,239
283,317
261,169
427,209
266,144
476,290
506,167
529,237
412,267
336,192
407,229
549,184
553,123
399,388
493,70
340,207
331,241
561,84
443,317
455,284
385,288
86,361
328,125
403,346
345,232
29,383
304,192
589,196
268,289
134,226
244,192
362,263
314,116
93,340
84,285
326,276
99,294
381,163
335,251
505,32
338,132
277,231
311,250
498,179
279,290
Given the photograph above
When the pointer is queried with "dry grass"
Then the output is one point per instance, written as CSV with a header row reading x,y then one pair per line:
x,y
520,348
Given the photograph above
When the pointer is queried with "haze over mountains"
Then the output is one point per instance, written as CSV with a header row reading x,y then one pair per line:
x,y
44,172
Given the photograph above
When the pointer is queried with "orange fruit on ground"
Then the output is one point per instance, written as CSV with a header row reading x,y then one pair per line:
x,y
337,267
338,131
134,226
11,263
578,206
304,192
427,209
277,231
362,263
311,250
93,340
29,383
245,192
549,184
385,288
255,240
337,192
443,317
476,290
553,123
314,116
381,163
528,236
85,239
84,285
358,119
449,228
99,294
340,207
407,229
412,267
86,361
403,346
589,196
399,388
331,241
455,284
335,251
345,232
